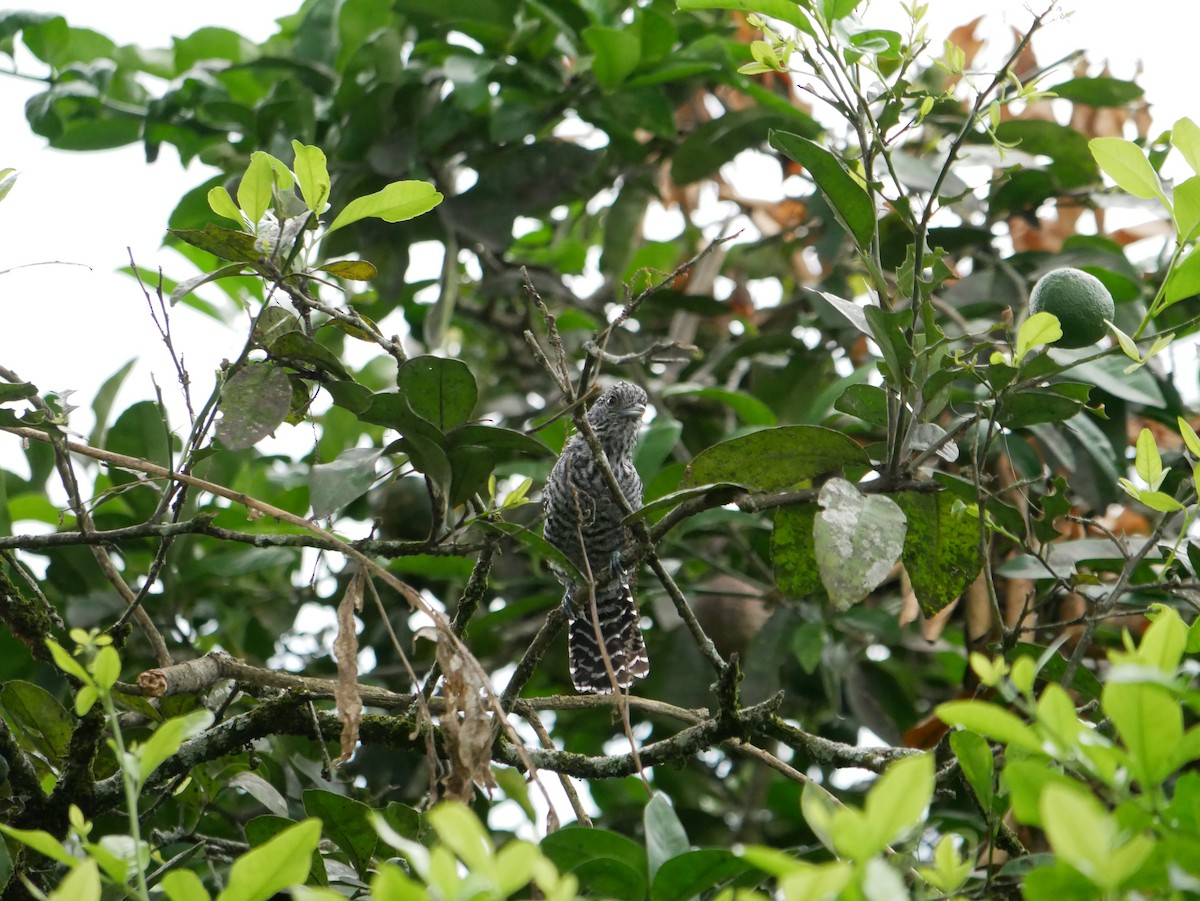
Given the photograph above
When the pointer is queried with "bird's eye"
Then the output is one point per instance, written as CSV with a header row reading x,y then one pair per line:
x,y
612,399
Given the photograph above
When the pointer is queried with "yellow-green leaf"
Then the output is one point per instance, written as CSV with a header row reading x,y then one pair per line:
x,y
222,204
254,191
184,885
42,842
274,865
357,270
1147,463
398,201
1185,137
1040,328
107,667
1125,163
313,175
66,662
8,178
1190,438
1128,345
81,884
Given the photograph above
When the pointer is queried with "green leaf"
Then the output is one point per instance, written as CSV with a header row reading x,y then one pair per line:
x,y
334,485
1073,164
66,662
38,718
347,823
1184,280
609,879
187,286
941,548
1084,835
1025,779
1124,162
184,885
775,459
1157,500
750,410
690,874
1147,463
390,882
887,327
282,862
1186,212
656,444
866,402
949,870
857,539
898,801
1034,406
460,830
1185,137
977,764
1038,329
15,391
1190,438
503,442
103,403
254,402
793,553
106,668
439,390
222,204
616,53
990,721
1107,373
42,842
81,884
301,351
572,846
168,739
1162,646
86,698
254,190
784,10
712,144
665,836
1149,721
1099,91
849,199
8,178
398,201
516,865
313,175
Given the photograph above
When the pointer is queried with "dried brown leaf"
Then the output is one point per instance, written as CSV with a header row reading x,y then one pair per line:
x,y
468,725
345,652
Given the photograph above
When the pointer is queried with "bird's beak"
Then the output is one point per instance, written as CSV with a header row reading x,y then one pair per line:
x,y
637,411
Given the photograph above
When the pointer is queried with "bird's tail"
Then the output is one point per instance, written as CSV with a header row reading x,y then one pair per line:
x,y
618,619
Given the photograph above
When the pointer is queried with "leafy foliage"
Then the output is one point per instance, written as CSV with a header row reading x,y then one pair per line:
x,y
445,221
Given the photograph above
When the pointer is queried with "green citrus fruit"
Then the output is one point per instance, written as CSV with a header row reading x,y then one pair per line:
x,y
1080,301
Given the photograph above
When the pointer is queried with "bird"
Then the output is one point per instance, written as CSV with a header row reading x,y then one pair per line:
x,y
585,522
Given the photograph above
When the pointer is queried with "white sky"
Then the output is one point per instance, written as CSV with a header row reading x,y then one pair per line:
x,y
71,326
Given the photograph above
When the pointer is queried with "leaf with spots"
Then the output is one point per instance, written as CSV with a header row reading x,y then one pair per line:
x,y
254,402
857,540
941,548
440,391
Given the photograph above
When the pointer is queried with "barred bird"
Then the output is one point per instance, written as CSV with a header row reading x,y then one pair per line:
x,y
582,517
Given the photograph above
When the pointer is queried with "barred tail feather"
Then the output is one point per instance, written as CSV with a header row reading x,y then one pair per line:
x,y
618,618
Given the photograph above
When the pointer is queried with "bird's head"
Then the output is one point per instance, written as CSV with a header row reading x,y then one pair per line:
x,y
617,413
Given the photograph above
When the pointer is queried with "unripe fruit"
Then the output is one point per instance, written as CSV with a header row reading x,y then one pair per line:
x,y
1079,300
